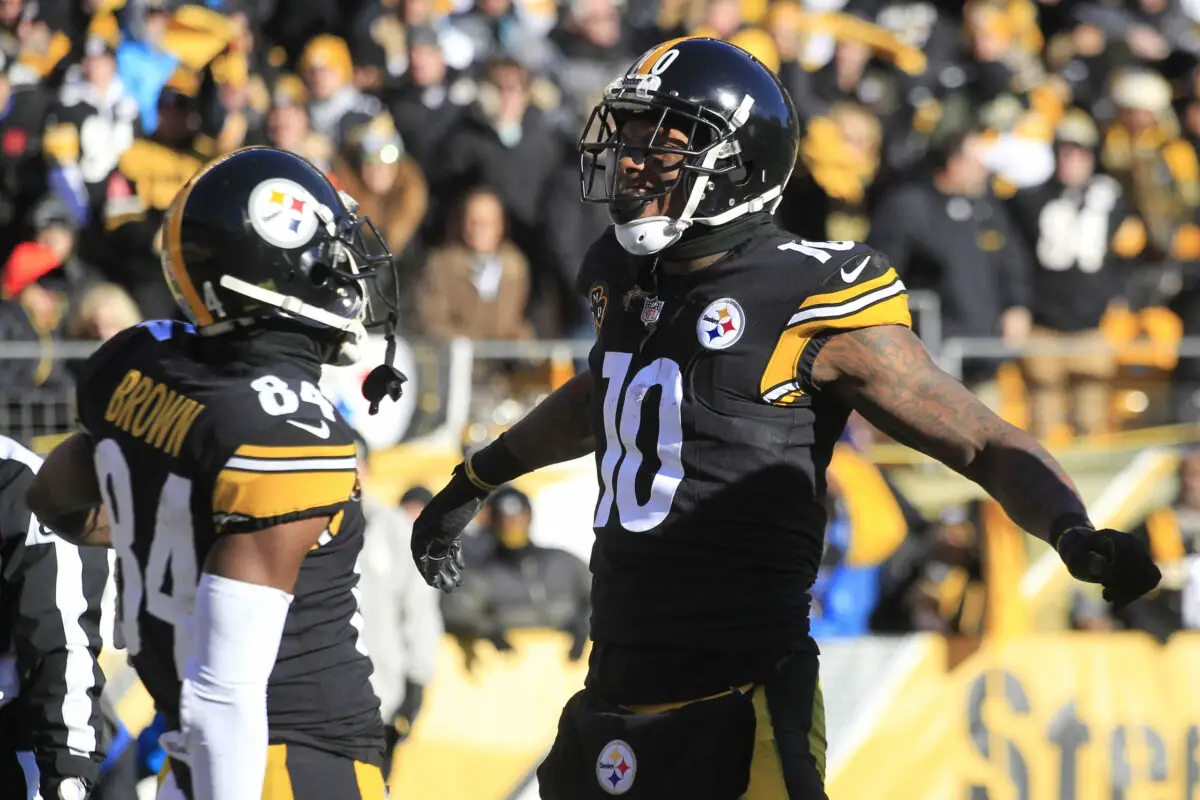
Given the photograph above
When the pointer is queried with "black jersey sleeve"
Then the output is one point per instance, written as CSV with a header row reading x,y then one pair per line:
x,y
290,470
118,353
603,271
859,290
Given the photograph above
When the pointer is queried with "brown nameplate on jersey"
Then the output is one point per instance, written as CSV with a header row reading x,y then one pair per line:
x,y
148,410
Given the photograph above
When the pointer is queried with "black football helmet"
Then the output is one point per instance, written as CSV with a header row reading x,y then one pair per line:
x,y
742,138
262,234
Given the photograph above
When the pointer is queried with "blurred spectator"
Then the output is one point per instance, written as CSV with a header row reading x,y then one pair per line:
x,y
376,171
103,311
335,105
521,585
592,48
1173,534
1080,228
949,596
477,284
33,313
499,29
22,177
378,45
949,235
430,102
288,125
148,176
1159,170
414,500
502,144
39,280
456,46
841,155
402,624
143,63
94,122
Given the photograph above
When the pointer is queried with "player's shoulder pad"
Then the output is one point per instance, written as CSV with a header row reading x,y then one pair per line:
x,y
298,467
605,260
858,288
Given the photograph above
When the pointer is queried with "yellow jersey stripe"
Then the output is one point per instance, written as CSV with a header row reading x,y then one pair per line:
x,y
851,292
321,451
265,495
782,366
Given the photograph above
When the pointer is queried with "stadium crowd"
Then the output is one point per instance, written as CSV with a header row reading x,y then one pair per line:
x,y
1031,163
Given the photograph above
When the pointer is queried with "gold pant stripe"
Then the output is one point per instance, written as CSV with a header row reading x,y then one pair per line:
x,y
277,784
658,708
766,767
816,734
370,781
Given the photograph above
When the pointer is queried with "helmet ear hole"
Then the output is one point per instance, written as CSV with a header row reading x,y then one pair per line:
x,y
320,273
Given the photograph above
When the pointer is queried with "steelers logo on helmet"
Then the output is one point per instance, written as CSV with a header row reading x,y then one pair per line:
x,y
616,767
721,324
283,213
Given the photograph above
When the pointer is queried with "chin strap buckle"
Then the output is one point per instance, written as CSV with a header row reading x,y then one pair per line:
x,y
385,380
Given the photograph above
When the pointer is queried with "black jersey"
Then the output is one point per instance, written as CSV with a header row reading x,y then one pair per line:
x,y
711,444
188,451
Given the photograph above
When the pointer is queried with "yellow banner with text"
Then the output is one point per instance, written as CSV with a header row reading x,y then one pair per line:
x,y
1070,716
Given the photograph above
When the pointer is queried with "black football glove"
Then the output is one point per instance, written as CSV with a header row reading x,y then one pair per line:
x,y
1121,563
437,532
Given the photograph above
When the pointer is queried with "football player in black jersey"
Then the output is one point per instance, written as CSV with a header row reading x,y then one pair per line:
x,y
226,483
728,358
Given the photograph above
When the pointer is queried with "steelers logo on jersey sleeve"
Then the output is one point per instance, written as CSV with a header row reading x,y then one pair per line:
x,y
721,324
283,213
616,767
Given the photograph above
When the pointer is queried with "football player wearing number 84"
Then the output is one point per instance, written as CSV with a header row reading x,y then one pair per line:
x,y
728,357
226,482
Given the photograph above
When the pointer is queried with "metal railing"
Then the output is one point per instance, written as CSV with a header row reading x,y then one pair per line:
x,y
27,413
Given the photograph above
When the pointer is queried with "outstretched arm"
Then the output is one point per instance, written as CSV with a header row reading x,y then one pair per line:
x,y
557,429
886,375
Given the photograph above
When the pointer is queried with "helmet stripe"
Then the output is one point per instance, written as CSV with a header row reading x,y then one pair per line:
x,y
172,241
650,59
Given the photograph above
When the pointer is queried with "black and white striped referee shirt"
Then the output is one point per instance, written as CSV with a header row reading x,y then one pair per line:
x,y
50,681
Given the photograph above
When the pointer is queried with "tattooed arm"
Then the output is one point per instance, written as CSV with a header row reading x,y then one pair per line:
x,y
557,429
886,375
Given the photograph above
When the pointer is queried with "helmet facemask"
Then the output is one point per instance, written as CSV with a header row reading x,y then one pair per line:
x,y
696,143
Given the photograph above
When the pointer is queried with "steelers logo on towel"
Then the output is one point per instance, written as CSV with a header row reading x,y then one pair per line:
x,y
616,767
721,324
283,213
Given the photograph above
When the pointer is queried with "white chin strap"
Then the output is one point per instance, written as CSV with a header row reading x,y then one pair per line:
x,y
649,235
350,350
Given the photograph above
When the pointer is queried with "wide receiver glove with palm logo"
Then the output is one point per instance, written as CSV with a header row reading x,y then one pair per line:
x,y
1121,563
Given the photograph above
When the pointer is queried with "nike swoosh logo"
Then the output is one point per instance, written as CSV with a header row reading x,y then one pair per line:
x,y
320,431
851,277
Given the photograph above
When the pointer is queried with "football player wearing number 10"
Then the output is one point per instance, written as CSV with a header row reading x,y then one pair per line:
x,y
727,360
226,482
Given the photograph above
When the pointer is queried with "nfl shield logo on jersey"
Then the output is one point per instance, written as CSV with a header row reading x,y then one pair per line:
x,y
616,767
721,324
651,310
